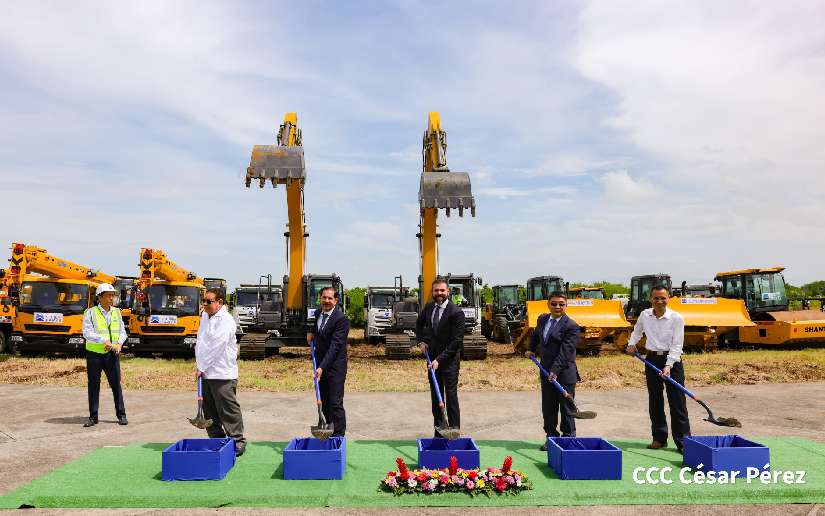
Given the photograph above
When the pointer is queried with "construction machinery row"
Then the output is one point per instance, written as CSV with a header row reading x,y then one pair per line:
x,y
42,297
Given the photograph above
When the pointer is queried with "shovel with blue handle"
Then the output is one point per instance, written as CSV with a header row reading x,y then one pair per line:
x,y
578,414
200,421
445,431
323,430
721,421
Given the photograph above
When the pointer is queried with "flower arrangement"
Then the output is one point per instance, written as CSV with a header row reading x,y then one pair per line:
x,y
453,479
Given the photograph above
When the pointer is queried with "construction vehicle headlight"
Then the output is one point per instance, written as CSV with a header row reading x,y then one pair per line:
x,y
77,340
133,340
711,330
190,340
16,338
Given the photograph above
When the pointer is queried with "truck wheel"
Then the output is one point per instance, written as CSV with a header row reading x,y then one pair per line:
x,y
502,330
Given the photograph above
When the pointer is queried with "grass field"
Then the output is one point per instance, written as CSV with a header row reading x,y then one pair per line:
x,y
370,371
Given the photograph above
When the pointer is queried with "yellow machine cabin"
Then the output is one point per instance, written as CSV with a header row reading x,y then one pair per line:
x,y
50,295
706,318
167,306
763,292
601,321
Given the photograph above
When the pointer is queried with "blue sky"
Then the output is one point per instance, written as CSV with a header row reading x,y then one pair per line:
x,y
603,139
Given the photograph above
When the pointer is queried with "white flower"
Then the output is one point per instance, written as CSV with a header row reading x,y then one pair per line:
x,y
434,482
412,483
518,483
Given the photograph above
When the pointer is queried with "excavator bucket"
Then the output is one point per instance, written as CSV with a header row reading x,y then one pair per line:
x,y
714,312
278,164
448,191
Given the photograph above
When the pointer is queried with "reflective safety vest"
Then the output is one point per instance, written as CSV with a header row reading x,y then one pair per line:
x,y
111,330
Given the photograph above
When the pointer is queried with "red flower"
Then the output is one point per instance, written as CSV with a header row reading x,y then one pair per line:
x,y
501,484
508,464
402,468
421,477
473,475
391,473
453,465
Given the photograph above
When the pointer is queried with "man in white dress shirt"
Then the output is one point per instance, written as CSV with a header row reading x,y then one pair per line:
x,y
665,332
216,353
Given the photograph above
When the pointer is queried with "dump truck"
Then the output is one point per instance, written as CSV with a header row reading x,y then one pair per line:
x,y
439,189
763,292
248,298
378,309
287,325
504,317
601,321
50,295
706,318
166,311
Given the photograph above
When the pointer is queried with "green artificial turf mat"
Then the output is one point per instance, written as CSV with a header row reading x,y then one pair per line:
x,y
130,477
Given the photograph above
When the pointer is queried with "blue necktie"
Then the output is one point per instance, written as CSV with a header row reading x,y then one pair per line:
x,y
323,321
549,328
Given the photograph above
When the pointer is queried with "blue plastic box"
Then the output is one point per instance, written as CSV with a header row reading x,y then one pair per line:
x,y
315,459
198,459
584,458
725,453
436,453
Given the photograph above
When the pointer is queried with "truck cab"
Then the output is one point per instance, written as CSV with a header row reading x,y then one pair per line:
x,y
378,310
539,288
166,317
640,288
465,293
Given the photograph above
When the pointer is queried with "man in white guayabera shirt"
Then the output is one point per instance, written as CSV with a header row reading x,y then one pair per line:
x,y
665,332
216,353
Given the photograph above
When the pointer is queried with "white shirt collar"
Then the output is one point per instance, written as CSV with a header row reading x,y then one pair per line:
x,y
328,312
104,310
666,315
444,304
220,313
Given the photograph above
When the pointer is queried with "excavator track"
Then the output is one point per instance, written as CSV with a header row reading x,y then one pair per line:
x,y
252,346
475,347
397,347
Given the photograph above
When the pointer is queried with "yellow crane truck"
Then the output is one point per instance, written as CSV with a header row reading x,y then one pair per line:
x,y
50,295
7,312
763,292
166,311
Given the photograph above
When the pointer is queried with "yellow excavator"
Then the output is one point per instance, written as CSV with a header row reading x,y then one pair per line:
x,y
278,324
440,189
601,321
706,318
167,306
50,295
763,292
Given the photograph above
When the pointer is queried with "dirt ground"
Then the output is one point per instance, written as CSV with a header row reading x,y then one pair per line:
x,y
41,427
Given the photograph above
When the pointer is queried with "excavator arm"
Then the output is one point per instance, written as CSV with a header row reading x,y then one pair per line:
x,y
283,164
439,189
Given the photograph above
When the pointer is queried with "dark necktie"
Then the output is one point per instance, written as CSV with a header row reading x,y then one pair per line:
x,y
323,320
436,316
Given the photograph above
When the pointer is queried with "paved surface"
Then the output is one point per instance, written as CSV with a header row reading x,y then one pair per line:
x,y
40,427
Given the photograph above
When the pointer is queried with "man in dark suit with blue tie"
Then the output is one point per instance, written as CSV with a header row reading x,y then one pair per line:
x,y
554,340
330,333
440,330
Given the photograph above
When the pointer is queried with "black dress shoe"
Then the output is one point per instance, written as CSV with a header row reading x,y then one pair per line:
x,y
122,421
90,422
543,447
239,450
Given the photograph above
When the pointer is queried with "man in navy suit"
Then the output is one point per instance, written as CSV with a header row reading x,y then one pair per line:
x,y
440,330
330,333
554,340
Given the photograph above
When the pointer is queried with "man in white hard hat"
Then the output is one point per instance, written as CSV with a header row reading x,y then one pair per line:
x,y
105,334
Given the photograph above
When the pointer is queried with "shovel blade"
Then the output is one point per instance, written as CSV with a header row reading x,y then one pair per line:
x,y
584,414
200,422
725,421
448,432
322,432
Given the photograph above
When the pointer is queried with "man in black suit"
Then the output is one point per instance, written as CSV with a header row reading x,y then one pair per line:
x,y
440,330
330,333
554,340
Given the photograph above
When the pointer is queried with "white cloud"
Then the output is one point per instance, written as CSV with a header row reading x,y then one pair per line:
x,y
619,186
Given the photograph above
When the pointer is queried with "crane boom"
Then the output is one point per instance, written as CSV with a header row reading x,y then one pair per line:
x,y
154,265
28,259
